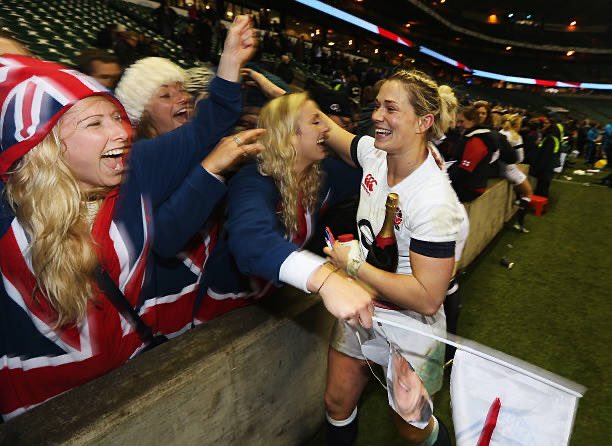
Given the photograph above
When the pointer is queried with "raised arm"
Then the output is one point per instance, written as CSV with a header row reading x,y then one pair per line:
x,y
267,87
240,45
162,163
188,208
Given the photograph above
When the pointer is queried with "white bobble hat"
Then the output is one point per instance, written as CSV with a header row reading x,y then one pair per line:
x,y
142,79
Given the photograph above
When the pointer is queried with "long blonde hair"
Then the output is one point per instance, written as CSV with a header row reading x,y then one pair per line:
x,y
47,201
280,118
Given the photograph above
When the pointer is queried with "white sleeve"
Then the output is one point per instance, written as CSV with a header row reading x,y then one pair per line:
x,y
365,145
297,268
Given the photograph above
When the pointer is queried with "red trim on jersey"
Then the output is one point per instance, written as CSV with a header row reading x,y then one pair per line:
x,y
475,151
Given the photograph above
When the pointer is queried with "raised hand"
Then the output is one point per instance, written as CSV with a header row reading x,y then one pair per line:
x,y
240,45
233,150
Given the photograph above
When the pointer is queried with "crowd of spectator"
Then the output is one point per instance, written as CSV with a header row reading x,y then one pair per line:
x,y
483,141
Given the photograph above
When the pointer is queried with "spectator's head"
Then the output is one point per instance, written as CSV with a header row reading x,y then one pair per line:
x,y
512,122
336,105
484,113
294,146
57,124
152,90
467,118
410,106
101,65
285,59
131,38
545,124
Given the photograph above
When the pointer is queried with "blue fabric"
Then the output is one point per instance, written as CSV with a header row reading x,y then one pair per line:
x,y
157,168
254,240
186,211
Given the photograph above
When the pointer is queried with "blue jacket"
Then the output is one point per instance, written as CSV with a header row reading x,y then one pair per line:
x,y
254,241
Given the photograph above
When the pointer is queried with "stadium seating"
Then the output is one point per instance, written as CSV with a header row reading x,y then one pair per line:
x,y
60,30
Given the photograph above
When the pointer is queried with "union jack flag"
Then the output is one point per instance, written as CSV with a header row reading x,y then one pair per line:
x,y
33,96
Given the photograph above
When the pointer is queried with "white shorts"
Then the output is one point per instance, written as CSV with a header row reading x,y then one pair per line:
x,y
512,173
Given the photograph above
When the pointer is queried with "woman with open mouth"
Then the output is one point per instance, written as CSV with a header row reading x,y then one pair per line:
x,y
78,205
153,92
272,207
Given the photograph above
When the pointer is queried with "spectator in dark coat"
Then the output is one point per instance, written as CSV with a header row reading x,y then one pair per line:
x,y
165,17
284,69
545,159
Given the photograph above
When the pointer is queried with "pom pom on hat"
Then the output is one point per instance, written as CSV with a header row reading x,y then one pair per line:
x,y
142,79
199,78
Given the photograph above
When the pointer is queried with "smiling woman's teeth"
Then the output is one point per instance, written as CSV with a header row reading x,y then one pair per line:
x,y
383,132
112,153
321,140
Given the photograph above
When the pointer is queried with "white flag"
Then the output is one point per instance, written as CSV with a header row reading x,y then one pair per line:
x,y
493,401
500,400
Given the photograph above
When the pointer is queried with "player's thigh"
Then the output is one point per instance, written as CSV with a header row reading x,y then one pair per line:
x,y
346,379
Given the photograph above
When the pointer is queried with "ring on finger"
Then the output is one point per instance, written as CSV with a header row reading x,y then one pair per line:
x,y
237,140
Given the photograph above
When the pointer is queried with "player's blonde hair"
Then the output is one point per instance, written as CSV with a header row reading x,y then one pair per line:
x,y
280,118
426,97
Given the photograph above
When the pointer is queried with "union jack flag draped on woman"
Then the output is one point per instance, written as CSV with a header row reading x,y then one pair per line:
x,y
39,360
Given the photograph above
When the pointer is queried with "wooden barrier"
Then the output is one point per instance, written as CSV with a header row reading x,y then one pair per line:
x,y
487,215
254,376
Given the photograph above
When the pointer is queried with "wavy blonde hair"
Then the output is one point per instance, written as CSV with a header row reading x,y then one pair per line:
x,y
426,97
47,201
280,118
512,122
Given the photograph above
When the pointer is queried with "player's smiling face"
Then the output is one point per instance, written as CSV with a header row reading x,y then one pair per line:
x,y
395,120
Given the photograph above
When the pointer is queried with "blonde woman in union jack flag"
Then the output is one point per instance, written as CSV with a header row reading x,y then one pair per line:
x,y
78,205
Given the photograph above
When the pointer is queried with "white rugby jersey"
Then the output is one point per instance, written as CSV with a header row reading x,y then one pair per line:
x,y
429,214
